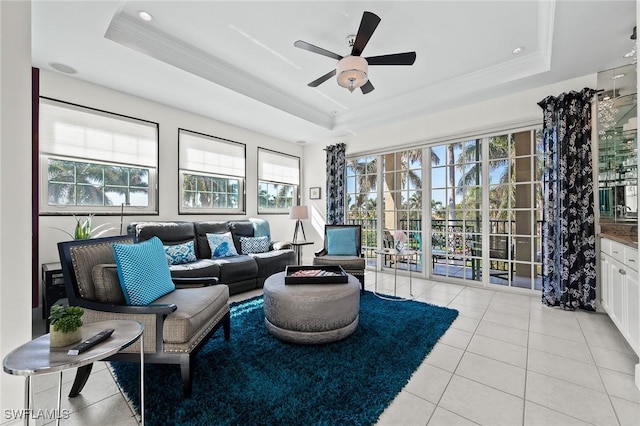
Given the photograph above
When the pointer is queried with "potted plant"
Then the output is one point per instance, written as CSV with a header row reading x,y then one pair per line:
x,y
66,325
84,230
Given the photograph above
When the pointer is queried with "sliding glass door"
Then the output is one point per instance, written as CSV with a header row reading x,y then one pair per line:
x,y
483,221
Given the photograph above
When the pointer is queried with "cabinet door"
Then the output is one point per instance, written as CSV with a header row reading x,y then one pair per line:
x,y
605,280
632,310
617,274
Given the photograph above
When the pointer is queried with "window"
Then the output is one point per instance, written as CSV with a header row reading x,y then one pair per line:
x,y
483,221
278,181
94,161
212,174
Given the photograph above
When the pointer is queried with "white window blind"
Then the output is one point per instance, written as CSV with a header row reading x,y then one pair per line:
x,y
277,167
201,153
77,132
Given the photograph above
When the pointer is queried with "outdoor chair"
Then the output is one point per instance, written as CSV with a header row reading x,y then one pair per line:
x,y
176,325
343,246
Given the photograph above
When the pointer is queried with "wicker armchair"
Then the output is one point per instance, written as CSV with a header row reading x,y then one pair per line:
x,y
176,326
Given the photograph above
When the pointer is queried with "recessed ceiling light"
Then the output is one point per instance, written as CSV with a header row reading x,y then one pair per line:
x,y
518,50
62,68
617,76
144,15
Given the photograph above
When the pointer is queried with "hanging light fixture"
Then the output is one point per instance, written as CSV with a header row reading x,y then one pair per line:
x,y
352,72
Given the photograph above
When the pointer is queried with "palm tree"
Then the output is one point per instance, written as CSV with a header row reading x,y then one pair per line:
x,y
76,183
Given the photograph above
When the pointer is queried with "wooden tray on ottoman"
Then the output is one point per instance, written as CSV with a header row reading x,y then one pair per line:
x,y
327,274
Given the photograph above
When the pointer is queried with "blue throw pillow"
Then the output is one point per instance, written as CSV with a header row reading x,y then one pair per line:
x,y
179,254
261,228
143,271
254,245
341,242
221,245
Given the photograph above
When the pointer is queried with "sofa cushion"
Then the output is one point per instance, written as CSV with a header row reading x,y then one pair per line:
x,y
221,245
198,269
177,254
168,232
143,271
240,229
203,251
274,261
341,242
236,268
254,244
195,308
106,284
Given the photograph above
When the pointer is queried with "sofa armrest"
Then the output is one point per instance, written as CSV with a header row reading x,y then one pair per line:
x,y
184,282
280,245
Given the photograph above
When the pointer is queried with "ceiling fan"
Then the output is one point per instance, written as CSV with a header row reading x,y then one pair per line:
x,y
352,70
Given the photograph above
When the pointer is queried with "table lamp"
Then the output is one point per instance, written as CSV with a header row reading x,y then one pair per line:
x,y
299,213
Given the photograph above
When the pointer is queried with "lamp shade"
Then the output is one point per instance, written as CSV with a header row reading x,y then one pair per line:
x,y
352,72
299,212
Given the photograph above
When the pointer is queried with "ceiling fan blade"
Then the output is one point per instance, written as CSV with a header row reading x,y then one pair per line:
x,y
319,81
367,87
368,25
315,49
407,58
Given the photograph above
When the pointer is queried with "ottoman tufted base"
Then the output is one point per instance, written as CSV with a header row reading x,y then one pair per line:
x,y
311,313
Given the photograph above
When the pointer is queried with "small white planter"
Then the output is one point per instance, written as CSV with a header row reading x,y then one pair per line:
x,y
60,339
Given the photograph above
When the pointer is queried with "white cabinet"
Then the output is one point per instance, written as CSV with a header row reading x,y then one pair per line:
x,y
605,279
633,311
620,289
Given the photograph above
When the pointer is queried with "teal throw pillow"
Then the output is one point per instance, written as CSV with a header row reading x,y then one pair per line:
x,y
254,245
221,245
260,228
179,254
143,271
341,242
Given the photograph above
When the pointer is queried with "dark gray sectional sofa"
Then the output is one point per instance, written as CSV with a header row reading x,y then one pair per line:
x,y
241,273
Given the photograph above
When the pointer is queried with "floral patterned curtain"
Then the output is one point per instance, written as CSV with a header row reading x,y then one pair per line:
x,y
568,230
335,183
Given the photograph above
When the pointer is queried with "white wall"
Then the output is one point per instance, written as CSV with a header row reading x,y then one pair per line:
x,y
15,187
475,119
61,87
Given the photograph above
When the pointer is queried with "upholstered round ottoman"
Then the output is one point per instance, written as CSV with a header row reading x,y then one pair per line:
x,y
311,313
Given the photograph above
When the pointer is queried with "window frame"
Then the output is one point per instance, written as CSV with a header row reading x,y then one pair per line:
x,y
45,209
259,181
183,210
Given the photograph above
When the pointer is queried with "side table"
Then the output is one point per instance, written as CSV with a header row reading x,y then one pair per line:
x,y
297,248
37,357
395,255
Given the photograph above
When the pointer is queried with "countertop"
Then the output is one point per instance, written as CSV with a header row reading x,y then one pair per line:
x,y
623,233
629,240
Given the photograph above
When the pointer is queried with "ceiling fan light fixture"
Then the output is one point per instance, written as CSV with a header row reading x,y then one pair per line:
x,y
352,72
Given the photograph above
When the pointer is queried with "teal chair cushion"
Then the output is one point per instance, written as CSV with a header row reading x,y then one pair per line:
x,y
341,242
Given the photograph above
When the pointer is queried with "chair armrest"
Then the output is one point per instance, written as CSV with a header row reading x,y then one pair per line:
x,y
183,282
322,252
280,245
157,309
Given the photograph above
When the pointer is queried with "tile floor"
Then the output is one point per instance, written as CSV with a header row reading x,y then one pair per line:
x,y
506,360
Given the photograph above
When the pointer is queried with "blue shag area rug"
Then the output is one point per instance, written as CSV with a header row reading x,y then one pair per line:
x,y
256,379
